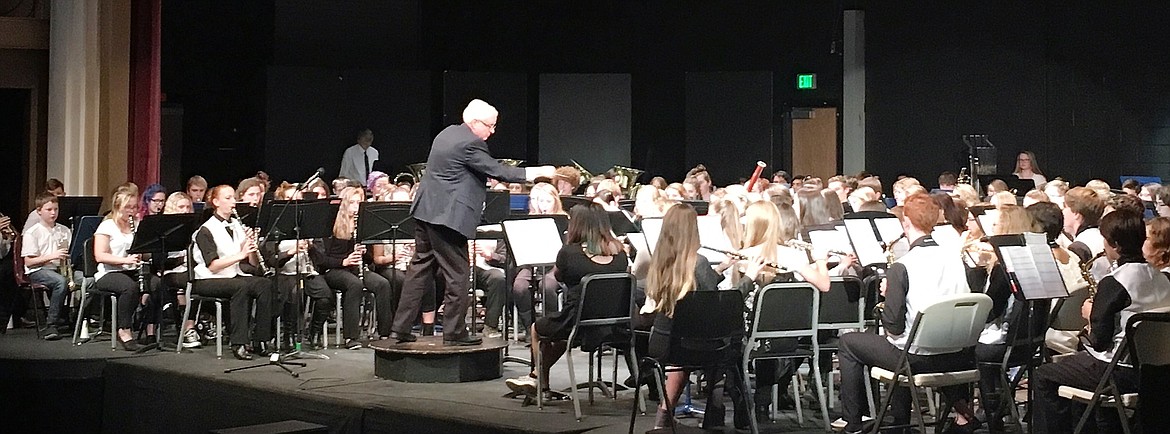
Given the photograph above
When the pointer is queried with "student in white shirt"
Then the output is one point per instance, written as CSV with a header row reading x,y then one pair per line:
x,y
117,269
54,186
44,246
358,160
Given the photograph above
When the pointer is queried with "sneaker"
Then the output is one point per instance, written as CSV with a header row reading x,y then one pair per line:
x,y
52,335
492,333
839,424
524,384
353,344
191,339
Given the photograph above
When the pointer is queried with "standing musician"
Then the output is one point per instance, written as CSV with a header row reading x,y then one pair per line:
x,y
923,274
44,246
118,271
341,257
447,208
1133,287
222,247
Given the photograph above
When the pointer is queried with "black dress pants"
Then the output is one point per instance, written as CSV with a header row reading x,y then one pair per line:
x,y
440,254
289,299
523,296
859,350
1053,414
241,292
347,282
494,294
125,285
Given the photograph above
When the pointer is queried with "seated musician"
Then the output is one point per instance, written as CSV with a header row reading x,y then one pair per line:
x,y
251,191
675,270
567,180
222,248
196,187
44,246
1133,287
174,271
1083,208
590,248
53,186
118,270
341,258
922,274
153,201
295,270
1047,218
1156,249
766,230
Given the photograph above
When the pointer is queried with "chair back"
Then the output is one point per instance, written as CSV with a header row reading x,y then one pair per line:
x,y
705,325
843,307
18,262
784,310
90,261
1150,335
606,298
950,324
1067,313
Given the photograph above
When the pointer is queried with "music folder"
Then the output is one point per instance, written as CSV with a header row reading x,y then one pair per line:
x,y
870,236
69,207
1029,262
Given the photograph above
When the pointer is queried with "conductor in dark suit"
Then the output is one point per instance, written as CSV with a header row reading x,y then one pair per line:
x,y
447,208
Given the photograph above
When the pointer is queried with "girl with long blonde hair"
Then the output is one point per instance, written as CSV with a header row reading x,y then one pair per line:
x,y
342,259
117,269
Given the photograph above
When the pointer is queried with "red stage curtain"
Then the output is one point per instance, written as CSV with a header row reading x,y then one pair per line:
x,y
145,91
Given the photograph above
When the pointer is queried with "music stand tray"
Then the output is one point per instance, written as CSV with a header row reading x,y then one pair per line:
x,y
158,234
309,219
384,222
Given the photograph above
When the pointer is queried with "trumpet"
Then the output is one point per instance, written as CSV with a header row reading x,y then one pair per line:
x,y
252,235
65,266
8,231
743,257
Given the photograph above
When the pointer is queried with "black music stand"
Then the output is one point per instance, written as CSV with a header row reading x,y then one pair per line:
x,y
571,201
385,223
278,225
70,207
620,224
701,206
156,235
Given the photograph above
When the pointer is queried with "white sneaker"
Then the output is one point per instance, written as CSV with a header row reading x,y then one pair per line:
x,y
191,339
523,384
492,333
839,424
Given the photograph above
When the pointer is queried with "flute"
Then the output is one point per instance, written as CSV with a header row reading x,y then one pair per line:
x,y
807,246
743,257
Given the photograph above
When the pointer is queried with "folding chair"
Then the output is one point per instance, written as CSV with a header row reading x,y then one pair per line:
x,y
951,324
38,293
193,298
88,287
1146,342
606,301
1025,339
787,310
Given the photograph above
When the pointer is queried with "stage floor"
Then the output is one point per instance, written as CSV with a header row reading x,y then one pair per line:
x,y
109,391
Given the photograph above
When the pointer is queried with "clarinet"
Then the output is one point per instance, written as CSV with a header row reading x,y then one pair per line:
x,y
250,233
361,268
141,267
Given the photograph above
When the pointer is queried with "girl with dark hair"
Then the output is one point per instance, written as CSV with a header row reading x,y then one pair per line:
x,y
591,248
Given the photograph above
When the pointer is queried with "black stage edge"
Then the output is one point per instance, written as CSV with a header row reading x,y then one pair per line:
x,y
429,361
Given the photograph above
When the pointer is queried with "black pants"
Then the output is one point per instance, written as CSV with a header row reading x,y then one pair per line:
x,y
125,285
346,281
289,299
858,350
394,276
494,294
440,254
242,291
524,298
1053,414
12,301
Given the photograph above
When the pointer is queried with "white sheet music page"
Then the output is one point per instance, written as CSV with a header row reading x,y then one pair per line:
x,y
652,228
711,235
835,239
865,243
533,241
1046,267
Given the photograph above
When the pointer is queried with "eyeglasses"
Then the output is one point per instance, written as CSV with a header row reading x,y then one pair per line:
x,y
489,126
158,201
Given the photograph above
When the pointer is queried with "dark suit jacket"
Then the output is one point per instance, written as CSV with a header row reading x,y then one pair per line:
x,y
452,190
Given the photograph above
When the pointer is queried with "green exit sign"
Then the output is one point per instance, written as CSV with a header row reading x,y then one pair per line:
x,y
806,81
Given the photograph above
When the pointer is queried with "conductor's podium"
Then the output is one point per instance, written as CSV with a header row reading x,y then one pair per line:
x,y
429,361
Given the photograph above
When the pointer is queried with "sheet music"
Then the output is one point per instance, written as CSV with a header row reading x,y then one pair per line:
x,y
1034,268
533,241
946,236
987,221
865,243
711,235
836,239
651,228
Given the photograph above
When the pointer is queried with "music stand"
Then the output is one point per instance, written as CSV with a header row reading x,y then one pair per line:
x,y
533,241
701,206
156,235
571,201
620,224
309,219
496,207
70,207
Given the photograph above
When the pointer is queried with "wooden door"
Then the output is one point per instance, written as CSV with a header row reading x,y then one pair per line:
x,y
814,142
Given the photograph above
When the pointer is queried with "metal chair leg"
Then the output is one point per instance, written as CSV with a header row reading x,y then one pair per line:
x,y
114,322
573,382
219,329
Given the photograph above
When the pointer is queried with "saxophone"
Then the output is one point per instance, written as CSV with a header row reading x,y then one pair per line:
x,y
1087,274
880,307
251,233
361,269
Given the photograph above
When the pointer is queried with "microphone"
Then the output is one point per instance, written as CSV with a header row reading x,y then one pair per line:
x,y
316,175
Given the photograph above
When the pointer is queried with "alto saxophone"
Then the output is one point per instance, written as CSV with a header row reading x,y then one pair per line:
x,y
251,233
880,307
1087,274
